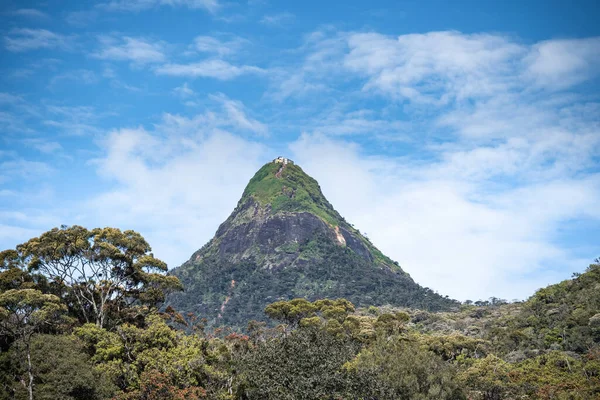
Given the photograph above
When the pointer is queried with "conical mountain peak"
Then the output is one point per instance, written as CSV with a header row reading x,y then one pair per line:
x,y
285,240
285,187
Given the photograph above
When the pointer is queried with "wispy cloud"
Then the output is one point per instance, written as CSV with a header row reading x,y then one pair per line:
x,y
8,98
84,76
43,145
217,69
184,91
73,120
340,122
138,51
30,13
17,114
280,19
220,47
20,168
222,113
81,18
211,6
316,67
23,39
237,115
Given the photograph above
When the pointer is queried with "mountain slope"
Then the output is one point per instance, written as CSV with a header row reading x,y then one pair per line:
x,y
285,240
560,317
563,316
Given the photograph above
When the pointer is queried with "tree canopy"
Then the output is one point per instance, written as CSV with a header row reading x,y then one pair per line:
x,y
103,273
56,346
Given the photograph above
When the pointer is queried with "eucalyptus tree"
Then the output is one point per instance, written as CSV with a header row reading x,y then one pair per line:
x,y
105,275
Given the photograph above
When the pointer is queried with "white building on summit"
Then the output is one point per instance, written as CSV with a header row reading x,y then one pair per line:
x,y
283,160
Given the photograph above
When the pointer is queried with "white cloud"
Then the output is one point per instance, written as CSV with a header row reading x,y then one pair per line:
x,y
81,19
435,67
341,122
225,114
16,233
558,64
73,120
22,39
452,235
217,69
109,73
22,168
211,6
175,184
439,67
30,13
20,226
7,98
43,145
184,91
524,138
139,51
318,70
237,115
296,85
278,19
84,76
210,44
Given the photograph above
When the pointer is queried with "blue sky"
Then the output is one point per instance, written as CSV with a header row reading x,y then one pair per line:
x,y
462,137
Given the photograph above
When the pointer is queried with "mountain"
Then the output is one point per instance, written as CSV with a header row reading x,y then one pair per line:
x,y
285,240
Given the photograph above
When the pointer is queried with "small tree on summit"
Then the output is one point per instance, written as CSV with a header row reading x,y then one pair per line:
x,y
104,275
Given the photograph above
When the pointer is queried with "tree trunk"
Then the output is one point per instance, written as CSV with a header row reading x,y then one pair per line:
x,y
30,373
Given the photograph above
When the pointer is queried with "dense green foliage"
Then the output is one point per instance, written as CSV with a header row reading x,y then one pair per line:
x,y
65,277
98,273
62,370
306,364
545,348
565,316
334,272
397,368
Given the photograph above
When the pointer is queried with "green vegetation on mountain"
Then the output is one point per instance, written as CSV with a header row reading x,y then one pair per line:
x,y
291,191
295,191
562,317
332,272
285,240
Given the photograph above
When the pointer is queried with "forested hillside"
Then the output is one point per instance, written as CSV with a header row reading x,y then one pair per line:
x,y
68,332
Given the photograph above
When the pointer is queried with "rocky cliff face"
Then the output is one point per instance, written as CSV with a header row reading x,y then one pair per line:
x,y
285,240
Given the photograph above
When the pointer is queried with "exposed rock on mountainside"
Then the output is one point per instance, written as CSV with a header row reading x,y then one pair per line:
x,y
285,240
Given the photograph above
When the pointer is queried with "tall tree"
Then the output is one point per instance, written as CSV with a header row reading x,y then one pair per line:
x,y
104,273
22,313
